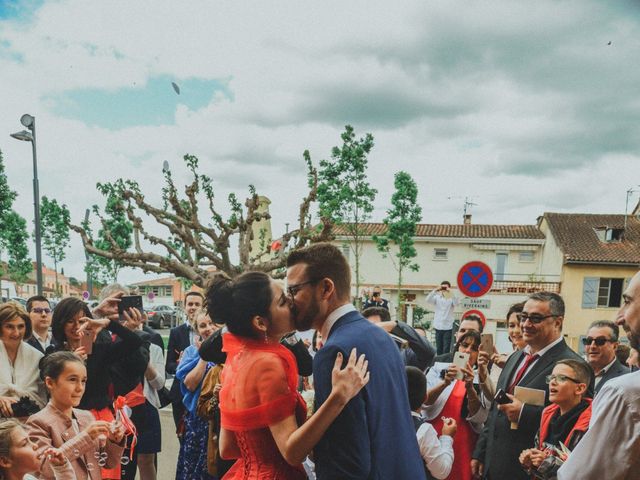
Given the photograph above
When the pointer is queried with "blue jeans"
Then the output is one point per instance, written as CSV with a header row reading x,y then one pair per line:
x,y
443,341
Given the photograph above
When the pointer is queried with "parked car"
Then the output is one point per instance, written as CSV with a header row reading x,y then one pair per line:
x,y
160,316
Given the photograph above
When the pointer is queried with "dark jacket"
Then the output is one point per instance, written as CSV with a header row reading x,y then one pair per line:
x,y
105,353
499,446
374,436
420,353
616,370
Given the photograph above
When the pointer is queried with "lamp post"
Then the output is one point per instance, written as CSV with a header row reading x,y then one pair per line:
x,y
30,122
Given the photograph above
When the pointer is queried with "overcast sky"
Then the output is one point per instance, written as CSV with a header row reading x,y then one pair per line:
x,y
524,107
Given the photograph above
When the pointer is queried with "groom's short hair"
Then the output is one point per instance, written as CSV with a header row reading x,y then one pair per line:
x,y
324,260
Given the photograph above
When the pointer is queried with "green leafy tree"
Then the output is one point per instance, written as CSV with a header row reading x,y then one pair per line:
x,y
115,235
401,223
13,233
344,195
55,232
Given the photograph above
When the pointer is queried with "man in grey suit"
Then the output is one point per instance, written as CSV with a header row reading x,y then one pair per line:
x,y
497,451
600,347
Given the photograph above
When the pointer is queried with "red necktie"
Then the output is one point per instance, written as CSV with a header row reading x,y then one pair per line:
x,y
528,361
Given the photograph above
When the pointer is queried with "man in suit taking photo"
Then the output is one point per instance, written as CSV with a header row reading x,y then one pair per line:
x,y
498,449
374,436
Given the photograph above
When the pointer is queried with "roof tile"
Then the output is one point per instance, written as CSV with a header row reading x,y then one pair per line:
x,y
575,234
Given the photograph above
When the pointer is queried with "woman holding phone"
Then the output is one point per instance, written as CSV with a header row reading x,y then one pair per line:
x,y
74,329
453,391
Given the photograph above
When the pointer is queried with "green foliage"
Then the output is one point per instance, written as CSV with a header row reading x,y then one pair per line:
x,y
13,233
7,196
401,221
344,194
115,234
55,219
13,239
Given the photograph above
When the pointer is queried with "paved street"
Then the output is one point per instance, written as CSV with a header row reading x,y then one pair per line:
x,y
168,458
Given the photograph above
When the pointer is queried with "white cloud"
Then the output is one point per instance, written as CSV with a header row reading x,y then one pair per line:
x,y
522,106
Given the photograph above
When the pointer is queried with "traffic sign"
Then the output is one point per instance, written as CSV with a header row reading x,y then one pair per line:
x,y
475,279
475,303
86,295
475,312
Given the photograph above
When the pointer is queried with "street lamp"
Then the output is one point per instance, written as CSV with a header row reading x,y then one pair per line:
x,y
29,121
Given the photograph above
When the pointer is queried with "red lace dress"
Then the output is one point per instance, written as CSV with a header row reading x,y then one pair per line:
x,y
259,383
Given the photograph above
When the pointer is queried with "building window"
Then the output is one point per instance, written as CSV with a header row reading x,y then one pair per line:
x,y
610,292
527,256
602,292
440,253
606,234
346,250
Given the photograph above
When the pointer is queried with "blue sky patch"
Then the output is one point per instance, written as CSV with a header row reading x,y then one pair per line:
x,y
151,104
12,9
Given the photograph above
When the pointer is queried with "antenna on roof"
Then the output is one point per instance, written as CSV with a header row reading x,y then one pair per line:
x,y
630,192
468,204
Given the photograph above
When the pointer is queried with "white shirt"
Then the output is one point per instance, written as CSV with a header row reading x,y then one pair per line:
x,y
436,453
443,315
540,353
611,447
43,342
333,318
151,387
603,371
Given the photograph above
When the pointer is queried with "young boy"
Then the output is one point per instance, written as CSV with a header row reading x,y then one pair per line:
x,y
566,420
436,453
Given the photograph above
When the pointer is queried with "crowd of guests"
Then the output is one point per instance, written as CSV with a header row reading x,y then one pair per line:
x,y
368,397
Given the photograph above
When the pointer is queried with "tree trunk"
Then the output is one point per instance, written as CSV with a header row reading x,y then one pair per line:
x,y
399,306
55,269
357,271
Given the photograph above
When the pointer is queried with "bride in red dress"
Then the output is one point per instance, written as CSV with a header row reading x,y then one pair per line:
x,y
262,413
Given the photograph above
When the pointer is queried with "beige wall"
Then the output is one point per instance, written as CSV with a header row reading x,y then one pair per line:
x,y
551,259
577,319
376,270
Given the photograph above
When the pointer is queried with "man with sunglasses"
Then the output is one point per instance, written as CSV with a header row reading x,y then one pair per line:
x,y
39,311
499,447
600,348
611,447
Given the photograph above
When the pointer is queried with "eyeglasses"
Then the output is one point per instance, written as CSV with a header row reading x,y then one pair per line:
x,y
523,317
293,289
560,379
40,310
600,341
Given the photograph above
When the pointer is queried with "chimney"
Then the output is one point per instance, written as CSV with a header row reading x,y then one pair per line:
x,y
466,219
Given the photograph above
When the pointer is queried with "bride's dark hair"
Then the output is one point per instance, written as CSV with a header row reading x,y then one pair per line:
x,y
235,302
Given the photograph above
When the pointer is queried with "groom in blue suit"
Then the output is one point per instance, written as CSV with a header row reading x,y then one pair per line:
x,y
374,436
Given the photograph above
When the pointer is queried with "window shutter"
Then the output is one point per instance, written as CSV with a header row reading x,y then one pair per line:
x,y
590,292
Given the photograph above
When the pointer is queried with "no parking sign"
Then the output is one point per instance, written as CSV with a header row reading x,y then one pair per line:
x,y
475,279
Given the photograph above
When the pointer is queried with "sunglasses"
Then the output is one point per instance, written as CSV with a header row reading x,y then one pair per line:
x,y
523,317
560,379
41,310
600,341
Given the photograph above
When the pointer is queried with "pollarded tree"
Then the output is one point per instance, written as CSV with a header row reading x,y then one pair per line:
x,y
55,219
197,239
401,222
344,194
